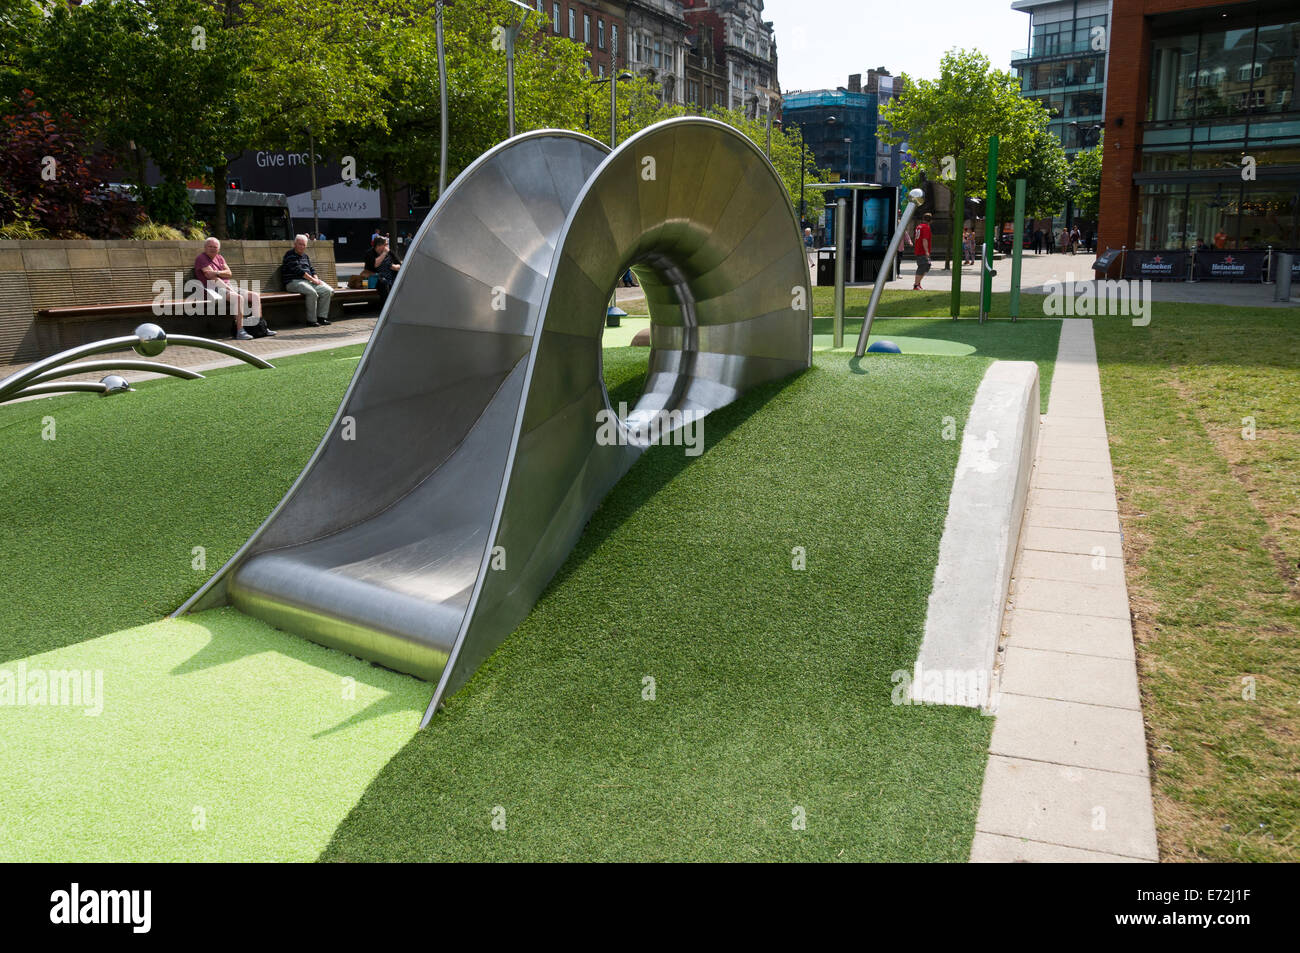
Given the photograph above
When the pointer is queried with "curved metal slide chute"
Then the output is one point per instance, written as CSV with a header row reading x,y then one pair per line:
x,y
464,463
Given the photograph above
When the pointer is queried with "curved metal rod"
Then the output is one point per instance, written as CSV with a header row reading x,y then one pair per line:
x,y
124,365
59,387
15,382
222,346
887,267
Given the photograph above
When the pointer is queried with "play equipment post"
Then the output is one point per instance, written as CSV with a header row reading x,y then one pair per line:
x,y
990,224
1017,248
958,224
837,327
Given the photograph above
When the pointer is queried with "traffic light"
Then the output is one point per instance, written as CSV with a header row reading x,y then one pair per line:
x,y
234,183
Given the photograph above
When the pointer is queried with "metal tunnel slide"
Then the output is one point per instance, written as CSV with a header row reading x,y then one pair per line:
x,y
467,436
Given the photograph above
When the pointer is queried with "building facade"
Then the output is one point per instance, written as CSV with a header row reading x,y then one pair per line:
x,y
599,25
706,65
839,126
745,47
1202,128
889,158
1064,66
657,48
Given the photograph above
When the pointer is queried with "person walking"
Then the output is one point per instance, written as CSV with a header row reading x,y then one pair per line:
x,y
298,275
1038,241
922,246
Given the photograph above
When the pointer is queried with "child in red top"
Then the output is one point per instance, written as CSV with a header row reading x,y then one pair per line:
x,y
922,250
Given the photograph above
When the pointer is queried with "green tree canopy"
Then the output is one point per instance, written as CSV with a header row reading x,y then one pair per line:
x,y
1085,170
954,116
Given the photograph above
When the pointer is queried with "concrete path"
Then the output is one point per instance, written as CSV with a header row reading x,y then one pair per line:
x,y
1067,775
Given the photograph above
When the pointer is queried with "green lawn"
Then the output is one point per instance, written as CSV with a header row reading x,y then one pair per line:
x,y
1212,538
772,685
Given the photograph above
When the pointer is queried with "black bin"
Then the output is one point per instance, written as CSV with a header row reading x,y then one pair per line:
x,y
826,267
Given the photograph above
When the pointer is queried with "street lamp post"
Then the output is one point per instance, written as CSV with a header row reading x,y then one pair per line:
x,y
442,99
511,32
613,81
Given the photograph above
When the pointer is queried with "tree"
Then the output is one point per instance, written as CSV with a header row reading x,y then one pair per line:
x,y
51,179
163,81
400,144
953,117
1045,176
1086,173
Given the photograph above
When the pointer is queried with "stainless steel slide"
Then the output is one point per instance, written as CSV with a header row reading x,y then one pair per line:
x,y
464,462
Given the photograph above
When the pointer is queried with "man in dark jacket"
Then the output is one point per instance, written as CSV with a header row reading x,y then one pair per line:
x,y
297,274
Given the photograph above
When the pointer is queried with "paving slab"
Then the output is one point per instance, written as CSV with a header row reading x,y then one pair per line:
x,y
1071,598
1104,569
1069,806
1078,541
1078,634
1070,733
1057,517
1065,676
1093,483
1000,849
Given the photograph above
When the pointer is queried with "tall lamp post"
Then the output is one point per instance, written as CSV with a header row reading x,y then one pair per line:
x,y
511,32
442,98
613,80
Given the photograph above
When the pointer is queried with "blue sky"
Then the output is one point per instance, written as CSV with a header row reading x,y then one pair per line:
x,y
820,42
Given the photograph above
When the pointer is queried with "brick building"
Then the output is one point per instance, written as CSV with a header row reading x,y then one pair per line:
x,y
744,45
600,25
1198,92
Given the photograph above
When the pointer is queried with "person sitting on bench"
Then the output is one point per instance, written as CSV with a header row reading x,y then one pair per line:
x,y
210,268
386,265
298,275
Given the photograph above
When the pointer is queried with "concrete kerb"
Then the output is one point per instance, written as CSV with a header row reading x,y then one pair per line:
x,y
980,538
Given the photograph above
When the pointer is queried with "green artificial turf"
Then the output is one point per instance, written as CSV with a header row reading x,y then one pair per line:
x,y
140,497
210,738
772,685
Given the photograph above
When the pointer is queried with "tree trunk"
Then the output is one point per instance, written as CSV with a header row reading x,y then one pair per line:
x,y
219,200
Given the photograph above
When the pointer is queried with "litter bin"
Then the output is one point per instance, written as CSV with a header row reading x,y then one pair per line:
x,y
1283,263
826,266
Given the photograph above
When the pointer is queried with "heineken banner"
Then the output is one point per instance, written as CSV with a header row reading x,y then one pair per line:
x,y
1170,264
1230,265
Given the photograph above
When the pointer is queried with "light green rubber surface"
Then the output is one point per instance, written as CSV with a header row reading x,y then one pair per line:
x,y
219,738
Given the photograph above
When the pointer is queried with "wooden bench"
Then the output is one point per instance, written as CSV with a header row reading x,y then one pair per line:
x,y
186,308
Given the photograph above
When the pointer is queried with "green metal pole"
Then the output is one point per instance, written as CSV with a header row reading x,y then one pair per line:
x,y
958,221
1017,243
990,225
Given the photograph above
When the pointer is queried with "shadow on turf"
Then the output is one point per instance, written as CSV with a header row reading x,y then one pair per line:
x,y
223,648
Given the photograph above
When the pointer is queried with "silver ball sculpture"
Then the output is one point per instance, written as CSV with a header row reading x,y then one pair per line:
x,y
115,384
152,340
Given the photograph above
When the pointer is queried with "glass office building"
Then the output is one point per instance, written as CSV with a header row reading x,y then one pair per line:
x,y
1219,159
1064,66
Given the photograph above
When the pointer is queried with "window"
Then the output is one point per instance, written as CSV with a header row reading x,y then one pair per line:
x,y
659,55
586,28
600,33
573,24
613,43
600,70
692,91
555,19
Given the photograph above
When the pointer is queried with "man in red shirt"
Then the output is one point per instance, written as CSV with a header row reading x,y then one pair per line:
x,y
922,250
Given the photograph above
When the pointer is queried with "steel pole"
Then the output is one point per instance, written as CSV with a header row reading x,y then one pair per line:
x,y
613,108
442,101
990,224
510,79
837,327
958,225
1017,249
915,198
315,192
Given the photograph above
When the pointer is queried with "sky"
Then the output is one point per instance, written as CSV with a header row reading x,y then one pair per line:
x,y
820,42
